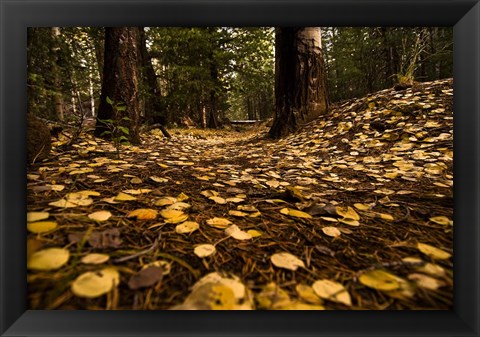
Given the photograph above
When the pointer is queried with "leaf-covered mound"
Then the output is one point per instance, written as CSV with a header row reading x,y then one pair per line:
x,y
354,211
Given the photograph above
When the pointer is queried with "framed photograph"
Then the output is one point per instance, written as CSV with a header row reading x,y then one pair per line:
x,y
387,64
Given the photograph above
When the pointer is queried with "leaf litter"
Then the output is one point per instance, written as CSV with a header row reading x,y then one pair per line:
x,y
366,215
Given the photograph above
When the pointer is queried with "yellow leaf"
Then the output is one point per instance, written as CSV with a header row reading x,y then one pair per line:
x,y
236,200
100,215
379,280
179,206
254,233
82,194
136,180
94,284
237,213
177,219
48,259
143,214
331,231
139,191
171,213
95,258
187,227
218,200
287,261
295,213
204,250
425,281
221,223
306,293
349,222
166,201
37,216
362,207
332,291
295,305
124,197
272,297
237,233
182,197
385,216
158,179
247,208
347,212
441,220
209,193
434,253
41,226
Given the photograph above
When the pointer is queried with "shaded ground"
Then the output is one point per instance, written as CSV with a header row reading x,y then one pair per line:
x,y
388,156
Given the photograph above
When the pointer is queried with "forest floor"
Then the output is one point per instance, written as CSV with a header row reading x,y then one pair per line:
x,y
352,212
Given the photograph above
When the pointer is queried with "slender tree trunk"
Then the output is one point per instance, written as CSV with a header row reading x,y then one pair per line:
x,y
212,121
153,104
300,79
120,80
57,87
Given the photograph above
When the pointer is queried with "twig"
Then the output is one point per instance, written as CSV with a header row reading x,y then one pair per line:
x,y
140,253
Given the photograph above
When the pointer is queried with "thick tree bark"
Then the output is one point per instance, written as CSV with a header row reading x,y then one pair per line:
x,y
120,80
300,79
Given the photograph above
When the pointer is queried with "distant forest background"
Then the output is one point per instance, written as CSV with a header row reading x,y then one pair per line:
x,y
237,65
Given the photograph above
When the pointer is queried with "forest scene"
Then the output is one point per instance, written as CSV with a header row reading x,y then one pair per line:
x,y
240,168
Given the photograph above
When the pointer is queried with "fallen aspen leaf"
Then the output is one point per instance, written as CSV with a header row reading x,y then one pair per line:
x,y
124,197
218,200
238,213
182,197
237,233
48,259
254,233
331,231
441,220
295,213
143,214
171,213
349,222
166,201
187,227
37,216
306,293
287,261
379,280
94,284
95,258
425,281
41,226
100,215
179,206
332,291
272,297
347,212
221,223
204,250
178,219
434,253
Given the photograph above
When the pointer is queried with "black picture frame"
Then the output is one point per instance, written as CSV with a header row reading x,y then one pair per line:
x,y
17,15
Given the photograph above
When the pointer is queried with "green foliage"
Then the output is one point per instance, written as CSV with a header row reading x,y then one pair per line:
x,y
361,60
233,64
116,131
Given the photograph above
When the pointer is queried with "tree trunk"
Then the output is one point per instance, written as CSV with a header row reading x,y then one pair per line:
x,y
300,79
57,87
120,81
